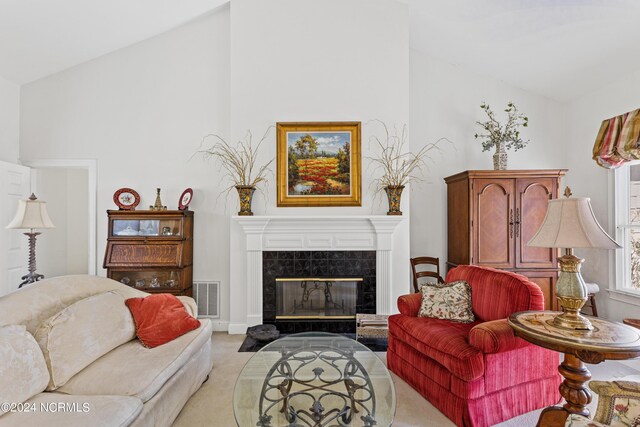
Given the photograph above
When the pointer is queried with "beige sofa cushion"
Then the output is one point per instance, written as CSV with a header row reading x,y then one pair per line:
x,y
23,371
83,332
94,411
141,371
33,304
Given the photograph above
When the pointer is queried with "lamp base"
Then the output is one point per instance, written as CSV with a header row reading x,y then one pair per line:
x,y
571,317
572,294
30,278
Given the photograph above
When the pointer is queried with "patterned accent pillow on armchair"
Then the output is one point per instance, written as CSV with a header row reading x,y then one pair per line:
x,y
448,301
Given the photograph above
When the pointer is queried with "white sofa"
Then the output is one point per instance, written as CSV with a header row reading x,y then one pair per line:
x,y
130,385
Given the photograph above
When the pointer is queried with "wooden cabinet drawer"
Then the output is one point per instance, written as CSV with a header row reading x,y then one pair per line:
x,y
123,253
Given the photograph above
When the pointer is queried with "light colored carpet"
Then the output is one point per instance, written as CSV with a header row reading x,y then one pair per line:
x,y
212,404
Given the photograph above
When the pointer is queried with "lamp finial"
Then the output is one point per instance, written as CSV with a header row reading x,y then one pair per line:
x,y
567,192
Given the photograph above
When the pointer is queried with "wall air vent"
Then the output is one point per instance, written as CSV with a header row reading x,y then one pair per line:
x,y
207,296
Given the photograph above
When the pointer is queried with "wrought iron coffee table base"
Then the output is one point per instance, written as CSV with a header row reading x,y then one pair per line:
x,y
311,376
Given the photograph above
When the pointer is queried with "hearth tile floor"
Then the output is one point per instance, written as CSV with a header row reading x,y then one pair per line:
x,y
212,404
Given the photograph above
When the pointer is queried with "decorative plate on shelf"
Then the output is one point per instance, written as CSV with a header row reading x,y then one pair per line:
x,y
185,199
126,199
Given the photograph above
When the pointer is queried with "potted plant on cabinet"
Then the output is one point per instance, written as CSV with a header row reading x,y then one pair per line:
x,y
503,137
240,165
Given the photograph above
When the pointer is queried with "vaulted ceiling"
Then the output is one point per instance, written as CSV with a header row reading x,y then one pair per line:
x,y
557,48
42,37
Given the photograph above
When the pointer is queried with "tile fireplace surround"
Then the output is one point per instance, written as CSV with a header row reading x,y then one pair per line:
x,y
360,266
310,233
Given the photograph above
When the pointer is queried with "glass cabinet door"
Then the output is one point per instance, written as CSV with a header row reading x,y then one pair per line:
x,y
165,227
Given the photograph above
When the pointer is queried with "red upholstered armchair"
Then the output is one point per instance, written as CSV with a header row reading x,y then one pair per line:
x,y
477,374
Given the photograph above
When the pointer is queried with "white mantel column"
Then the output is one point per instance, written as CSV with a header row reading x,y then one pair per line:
x,y
253,228
384,227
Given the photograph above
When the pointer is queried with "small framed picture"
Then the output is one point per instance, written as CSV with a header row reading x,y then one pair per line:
x,y
149,227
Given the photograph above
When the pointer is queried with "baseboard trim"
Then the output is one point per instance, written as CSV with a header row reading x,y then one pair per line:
x,y
238,328
220,325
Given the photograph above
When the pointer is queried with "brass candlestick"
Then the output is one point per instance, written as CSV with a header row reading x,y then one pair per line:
x,y
157,206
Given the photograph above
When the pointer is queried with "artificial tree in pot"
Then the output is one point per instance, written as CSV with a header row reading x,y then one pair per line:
x,y
240,165
503,137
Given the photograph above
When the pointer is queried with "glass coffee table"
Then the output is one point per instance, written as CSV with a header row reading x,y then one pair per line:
x,y
314,380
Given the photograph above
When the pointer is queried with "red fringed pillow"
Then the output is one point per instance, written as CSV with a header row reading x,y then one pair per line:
x,y
160,318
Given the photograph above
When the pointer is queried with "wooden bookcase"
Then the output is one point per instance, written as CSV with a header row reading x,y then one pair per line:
x,y
151,250
491,216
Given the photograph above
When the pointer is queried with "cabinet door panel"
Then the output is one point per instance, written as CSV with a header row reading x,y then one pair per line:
x,y
493,222
546,280
531,206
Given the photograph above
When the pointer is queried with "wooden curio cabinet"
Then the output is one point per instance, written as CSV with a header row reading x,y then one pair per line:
x,y
151,250
493,214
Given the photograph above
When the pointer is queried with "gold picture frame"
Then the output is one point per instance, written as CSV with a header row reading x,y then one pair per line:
x,y
319,164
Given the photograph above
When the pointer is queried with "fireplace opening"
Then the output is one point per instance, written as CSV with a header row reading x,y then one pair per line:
x,y
287,269
316,298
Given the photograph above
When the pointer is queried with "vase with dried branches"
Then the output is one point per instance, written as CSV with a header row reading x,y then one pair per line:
x,y
240,165
398,166
501,136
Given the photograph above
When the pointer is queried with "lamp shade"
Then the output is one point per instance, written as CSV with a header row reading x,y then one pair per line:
x,y
32,213
570,223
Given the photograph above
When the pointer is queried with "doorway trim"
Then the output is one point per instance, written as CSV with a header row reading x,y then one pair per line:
x,y
90,165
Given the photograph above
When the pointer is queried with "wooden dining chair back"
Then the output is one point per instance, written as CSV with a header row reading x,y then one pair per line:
x,y
423,267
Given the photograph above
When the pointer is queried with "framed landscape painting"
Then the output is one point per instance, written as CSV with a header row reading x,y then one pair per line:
x,y
319,164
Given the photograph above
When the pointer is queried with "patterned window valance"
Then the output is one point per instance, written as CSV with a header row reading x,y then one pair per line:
x,y
618,140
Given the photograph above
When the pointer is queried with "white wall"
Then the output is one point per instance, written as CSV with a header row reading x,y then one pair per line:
x,y
63,250
9,120
445,102
77,221
330,60
50,186
142,112
590,180
306,60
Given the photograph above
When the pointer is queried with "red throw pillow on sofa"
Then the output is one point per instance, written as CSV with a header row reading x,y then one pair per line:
x,y
160,318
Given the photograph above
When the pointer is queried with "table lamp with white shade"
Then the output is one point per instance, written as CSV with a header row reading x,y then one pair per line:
x,y
570,223
32,214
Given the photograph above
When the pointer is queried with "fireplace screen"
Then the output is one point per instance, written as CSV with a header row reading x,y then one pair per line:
x,y
316,298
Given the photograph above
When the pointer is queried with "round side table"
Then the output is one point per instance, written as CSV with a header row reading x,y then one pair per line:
x,y
607,341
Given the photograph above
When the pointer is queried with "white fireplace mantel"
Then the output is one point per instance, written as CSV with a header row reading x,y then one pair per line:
x,y
308,233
